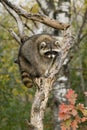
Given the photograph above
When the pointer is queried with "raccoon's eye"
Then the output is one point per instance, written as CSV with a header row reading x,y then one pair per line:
x,y
43,45
57,43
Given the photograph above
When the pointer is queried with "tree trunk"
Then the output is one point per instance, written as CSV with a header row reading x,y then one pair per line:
x,y
62,83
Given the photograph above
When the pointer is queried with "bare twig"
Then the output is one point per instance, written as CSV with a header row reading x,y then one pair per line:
x,y
18,20
82,26
43,5
6,29
29,28
15,36
83,36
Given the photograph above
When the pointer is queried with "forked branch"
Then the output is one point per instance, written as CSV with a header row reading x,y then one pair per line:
x,y
19,23
46,83
36,17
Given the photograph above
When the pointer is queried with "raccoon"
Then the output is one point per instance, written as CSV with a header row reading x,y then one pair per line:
x,y
35,56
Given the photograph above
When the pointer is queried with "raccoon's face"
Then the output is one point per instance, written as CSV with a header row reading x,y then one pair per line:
x,y
49,48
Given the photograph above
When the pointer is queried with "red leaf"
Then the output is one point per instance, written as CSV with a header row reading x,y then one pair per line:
x,y
83,119
80,107
64,116
65,111
71,96
78,119
66,108
74,112
66,124
70,113
74,125
63,108
63,128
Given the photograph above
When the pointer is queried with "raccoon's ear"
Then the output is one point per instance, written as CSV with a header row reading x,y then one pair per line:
x,y
16,61
24,39
57,43
42,45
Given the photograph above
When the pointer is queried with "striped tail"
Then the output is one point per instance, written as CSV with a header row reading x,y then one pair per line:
x,y
26,79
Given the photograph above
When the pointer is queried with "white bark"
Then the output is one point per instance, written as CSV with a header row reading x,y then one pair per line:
x,y
62,84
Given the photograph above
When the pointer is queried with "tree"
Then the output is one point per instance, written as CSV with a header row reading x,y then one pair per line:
x,y
17,12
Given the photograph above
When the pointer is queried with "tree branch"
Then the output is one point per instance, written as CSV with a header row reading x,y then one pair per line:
x,y
15,36
29,28
82,26
46,83
83,36
18,20
43,6
36,17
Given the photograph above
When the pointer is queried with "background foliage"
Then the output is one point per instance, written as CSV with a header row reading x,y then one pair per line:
x,y
15,99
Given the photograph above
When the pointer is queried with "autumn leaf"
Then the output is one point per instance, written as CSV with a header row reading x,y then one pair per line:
x,y
80,107
71,96
66,108
66,124
78,119
69,113
64,116
74,112
83,119
74,125
63,128
65,111
84,112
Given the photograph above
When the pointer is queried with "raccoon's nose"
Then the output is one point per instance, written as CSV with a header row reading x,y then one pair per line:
x,y
51,54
